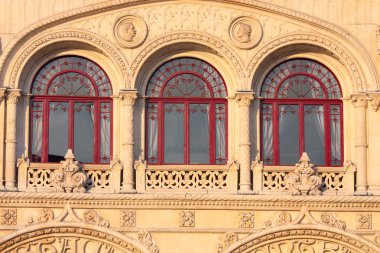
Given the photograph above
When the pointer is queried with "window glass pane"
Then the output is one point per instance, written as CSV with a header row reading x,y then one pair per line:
x,y
220,133
84,132
267,126
152,121
37,131
199,134
186,85
300,86
336,156
314,128
71,84
289,134
174,133
58,130
105,131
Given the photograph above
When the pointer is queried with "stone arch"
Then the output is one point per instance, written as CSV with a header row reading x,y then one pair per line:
x,y
50,45
292,44
82,237
187,44
310,238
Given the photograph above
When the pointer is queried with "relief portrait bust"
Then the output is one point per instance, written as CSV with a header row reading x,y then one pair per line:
x,y
130,31
245,32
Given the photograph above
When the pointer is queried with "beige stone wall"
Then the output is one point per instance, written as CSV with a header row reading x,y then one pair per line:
x,y
247,207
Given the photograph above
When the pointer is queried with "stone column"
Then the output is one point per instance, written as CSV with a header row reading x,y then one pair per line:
x,y
244,99
373,172
2,137
360,102
11,139
128,99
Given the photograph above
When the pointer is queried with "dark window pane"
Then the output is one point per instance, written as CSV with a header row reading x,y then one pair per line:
x,y
174,133
84,132
314,128
199,134
58,130
289,134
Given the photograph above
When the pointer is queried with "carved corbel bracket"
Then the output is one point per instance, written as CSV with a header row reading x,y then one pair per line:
x,y
69,177
128,97
304,180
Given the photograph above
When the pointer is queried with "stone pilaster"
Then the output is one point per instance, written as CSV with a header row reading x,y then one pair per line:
x,y
373,172
11,140
360,102
244,99
128,99
2,137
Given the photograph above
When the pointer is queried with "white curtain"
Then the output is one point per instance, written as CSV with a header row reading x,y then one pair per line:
x,y
105,124
268,133
153,131
37,132
335,134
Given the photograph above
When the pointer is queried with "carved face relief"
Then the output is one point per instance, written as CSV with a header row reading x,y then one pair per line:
x,y
130,31
245,32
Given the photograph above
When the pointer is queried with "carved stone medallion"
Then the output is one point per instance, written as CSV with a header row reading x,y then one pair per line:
x,y
245,32
130,31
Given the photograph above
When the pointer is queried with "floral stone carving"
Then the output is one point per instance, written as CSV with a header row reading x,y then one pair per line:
x,y
304,180
69,177
228,239
128,218
330,220
187,219
44,215
146,239
247,220
92,217
364,221
8,217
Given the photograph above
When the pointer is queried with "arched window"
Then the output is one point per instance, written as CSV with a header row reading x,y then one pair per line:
x,y
186,114
71,108
301,111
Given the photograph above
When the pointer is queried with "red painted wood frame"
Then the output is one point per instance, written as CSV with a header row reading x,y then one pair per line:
x,y
328,97
40,88
187,102
71,100
301,103
156,87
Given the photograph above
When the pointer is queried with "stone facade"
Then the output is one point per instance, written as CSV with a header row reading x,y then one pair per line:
x,y
129,205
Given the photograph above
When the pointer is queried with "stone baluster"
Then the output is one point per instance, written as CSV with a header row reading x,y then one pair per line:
x,y
373,173
360,102
244,99
128,99
11,140
2,137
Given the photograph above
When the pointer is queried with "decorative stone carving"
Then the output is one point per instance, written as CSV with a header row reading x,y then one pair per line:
x,y
377,239
8,216
330,220
244,98
305,180
44,215
374,100
128,218
130,31
92,217
2,94
229,238
146,239
69,177
364,221
247,219
360,100
187,219
282,219
245,32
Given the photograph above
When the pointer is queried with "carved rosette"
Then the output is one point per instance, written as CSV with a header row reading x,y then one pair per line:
x,y
8,216
128,218
364,221
187,219
305,180
245,32
69,177
130,31
282,219
247,219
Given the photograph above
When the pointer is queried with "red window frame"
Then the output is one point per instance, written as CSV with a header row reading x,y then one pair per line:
x,y
41,86
157,97
270,93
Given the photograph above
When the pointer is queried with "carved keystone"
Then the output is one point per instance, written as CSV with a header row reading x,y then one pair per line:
x,y
69,177
304,180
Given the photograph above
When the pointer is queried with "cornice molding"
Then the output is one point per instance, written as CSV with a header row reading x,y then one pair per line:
x,y
185,201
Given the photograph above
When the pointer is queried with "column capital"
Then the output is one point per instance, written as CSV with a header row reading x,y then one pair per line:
x,y
360,100
374,100
128,97
13,95
244,97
